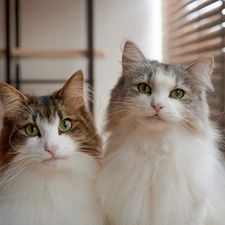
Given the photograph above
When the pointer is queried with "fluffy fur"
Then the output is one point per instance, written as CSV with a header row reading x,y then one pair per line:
x,y
161,161
49,178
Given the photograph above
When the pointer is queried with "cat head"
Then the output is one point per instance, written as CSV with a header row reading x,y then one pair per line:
x,y
47,129
156,96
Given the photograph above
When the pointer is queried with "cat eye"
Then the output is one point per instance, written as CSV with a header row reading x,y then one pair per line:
x,y
177,93
65,125
144,88
31,130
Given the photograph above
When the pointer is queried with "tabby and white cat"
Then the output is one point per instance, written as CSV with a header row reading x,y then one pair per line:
x,y
49,158
161,165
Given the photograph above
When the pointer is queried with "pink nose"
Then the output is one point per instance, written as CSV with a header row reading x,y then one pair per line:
x,y
158,106
51,149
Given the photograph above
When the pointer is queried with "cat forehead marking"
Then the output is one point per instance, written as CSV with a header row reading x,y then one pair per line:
x,y
164,79
50,116
49,132
46,126
45,108
146,77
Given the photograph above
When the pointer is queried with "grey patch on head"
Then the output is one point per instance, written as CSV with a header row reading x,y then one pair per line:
x,y
194,101
45,108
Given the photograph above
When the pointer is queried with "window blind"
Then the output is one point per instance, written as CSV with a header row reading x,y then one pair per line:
x,y
192,29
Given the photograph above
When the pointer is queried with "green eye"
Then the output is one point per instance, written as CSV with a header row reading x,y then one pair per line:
x,y
144,88
177,93
65,125
31,130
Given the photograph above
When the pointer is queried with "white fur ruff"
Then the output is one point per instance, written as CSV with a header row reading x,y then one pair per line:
x,y
176,181
64,196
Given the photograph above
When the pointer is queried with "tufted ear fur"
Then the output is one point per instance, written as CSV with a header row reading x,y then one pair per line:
x,y
10,97
132,57
73,85
201,71
72,92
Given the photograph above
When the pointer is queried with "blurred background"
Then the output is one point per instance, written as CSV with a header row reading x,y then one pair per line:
x,y
42,43
49,41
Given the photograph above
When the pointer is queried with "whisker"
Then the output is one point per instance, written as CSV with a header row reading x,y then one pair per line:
x,y
89,138
21,178
95,96
14,168
20,168
114,114
117,112
28,106
182,128
221,115
217,100
90,121
90,147
13,161
10,137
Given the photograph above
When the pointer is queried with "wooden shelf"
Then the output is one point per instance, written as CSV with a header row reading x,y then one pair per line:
x,y
14,50
2,52
42,81
35,53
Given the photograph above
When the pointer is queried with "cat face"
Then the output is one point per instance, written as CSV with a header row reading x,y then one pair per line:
x,y
47,130
155,95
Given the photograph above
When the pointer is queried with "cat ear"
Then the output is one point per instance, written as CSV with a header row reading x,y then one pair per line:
x,y
73,87
201,70
132,57
10,97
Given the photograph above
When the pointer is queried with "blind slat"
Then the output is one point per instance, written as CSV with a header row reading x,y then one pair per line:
x,y
184,59
194,21
193,29
206,23
171,9
195,38
184,11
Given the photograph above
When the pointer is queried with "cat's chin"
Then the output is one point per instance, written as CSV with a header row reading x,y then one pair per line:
x,y
52,165
155,118
52,160
154,122
56,161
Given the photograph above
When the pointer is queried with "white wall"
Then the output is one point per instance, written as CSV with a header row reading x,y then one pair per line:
x,y
115,22
2,17
60,24
52,24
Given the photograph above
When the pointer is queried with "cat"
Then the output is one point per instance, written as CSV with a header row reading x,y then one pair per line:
x,y
161,163
49,158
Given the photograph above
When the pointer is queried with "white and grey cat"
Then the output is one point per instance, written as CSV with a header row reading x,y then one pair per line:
x,y
49,158
161,161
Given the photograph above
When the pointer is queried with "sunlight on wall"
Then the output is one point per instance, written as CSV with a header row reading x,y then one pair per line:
x,y
117,21
63,25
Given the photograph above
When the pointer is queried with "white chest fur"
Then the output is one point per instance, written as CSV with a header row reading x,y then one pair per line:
x,y
166,184
61,197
